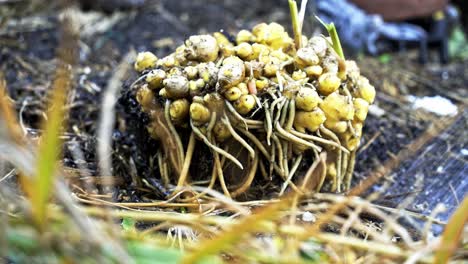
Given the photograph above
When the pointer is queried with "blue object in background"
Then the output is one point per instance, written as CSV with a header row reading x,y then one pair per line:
x,y
360,31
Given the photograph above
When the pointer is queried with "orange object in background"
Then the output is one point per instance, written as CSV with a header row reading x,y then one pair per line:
x,y
398,10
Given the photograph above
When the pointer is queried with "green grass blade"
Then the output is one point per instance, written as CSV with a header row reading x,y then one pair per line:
x,y
295,24
50,144
50,147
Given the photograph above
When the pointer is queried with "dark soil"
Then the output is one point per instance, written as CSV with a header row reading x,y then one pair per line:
x,y
27,59
442,167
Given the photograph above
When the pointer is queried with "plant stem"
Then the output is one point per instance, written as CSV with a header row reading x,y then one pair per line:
x,y
334,36
295,23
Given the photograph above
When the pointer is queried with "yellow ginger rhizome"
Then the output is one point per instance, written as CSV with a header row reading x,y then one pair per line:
x,y
262,107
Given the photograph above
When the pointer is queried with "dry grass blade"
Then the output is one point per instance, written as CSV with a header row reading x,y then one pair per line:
x,y
452,234
8,113
333,210
107,114
158,216
302,13
372,246
235,232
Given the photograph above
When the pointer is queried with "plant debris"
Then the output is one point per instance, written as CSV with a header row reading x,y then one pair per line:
x,y
437,104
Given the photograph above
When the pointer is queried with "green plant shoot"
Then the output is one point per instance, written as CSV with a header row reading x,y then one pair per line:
x,y
336,44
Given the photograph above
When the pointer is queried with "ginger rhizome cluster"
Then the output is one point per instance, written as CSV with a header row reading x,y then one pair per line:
x,y
278,103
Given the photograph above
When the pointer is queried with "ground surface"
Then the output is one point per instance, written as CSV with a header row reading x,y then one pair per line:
x,y
27,52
